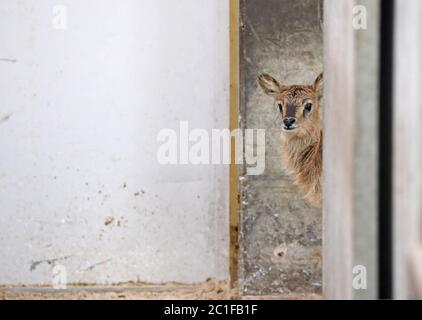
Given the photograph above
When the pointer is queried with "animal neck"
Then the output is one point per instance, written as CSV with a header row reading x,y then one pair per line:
x,y
298,144
303,156
303,160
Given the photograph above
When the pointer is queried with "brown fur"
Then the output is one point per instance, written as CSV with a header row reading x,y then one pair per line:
x,y
302,146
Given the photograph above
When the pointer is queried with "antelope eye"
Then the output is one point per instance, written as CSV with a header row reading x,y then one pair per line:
x,y
308,106
280,106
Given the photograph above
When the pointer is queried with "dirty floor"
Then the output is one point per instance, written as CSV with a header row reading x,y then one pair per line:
x,y
209,290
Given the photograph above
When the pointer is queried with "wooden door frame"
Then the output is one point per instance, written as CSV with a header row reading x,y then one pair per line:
x,y
234,12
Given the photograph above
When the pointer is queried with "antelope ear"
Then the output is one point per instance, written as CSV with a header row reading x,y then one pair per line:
x,y
270,85
319,84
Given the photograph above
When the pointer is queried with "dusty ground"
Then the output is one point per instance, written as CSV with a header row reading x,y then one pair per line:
x,y
209,290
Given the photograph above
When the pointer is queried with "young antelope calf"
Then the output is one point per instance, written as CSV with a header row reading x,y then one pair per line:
x,y
302,133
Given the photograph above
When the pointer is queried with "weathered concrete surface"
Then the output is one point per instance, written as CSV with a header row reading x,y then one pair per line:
x,y
280,234
366,150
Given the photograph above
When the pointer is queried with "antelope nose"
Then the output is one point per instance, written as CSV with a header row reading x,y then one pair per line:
x,y
289,121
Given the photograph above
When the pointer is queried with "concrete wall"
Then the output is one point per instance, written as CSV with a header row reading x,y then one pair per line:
x,y
80,111
365,215
407,158
282,38
339,152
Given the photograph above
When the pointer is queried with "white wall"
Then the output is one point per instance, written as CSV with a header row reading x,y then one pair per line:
x,y
80,110
407,176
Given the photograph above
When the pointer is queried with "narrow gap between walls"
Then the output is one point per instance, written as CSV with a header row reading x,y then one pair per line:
x,y
385,130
